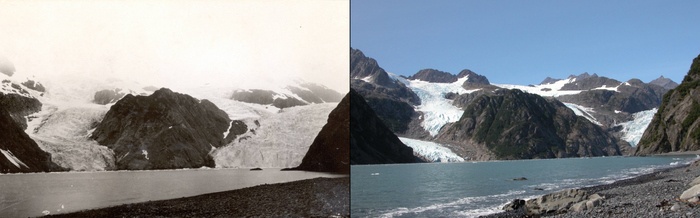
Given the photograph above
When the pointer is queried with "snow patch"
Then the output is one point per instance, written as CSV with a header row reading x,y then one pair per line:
x,y
634,129
434,152
11,157
145,154
550,89
367,79
583,112
228,129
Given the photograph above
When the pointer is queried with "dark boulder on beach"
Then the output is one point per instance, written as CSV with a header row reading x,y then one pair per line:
x,y
371,142
676,125
330,151
166,130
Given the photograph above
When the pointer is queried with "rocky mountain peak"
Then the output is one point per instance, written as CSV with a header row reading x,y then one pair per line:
x,y
549,80
664,82
435,76
363,67
166,130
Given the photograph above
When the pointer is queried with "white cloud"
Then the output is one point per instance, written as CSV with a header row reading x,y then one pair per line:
x,y
175,43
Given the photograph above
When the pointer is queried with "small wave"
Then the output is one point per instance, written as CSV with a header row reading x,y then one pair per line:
x,y
462,201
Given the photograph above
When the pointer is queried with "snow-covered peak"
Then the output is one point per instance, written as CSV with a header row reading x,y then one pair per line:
x,y
549,89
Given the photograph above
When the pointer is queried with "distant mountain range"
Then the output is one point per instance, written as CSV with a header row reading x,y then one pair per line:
x,y
582,115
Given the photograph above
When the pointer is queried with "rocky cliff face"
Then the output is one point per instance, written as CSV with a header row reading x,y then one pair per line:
x,y
391,100
511,124
330,151
165,130
676,125
18,152
18,102
371,142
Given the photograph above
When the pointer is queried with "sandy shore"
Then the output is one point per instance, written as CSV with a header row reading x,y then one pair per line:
x,y
650,195
319,197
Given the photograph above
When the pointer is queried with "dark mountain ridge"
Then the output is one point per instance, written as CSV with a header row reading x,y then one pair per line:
x,y
166,130
676,125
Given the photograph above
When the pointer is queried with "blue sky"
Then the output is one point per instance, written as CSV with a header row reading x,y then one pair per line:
x,y
523,42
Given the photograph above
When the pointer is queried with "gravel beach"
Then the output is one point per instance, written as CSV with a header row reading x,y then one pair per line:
x,y
319,197
650,195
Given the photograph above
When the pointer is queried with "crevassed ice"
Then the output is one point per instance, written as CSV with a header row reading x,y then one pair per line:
x,y
434,152
634,129
437,110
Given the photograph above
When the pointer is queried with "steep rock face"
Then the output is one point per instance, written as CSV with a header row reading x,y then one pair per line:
x,y
165,130
18,152
391,100
434,76
676,125
19,106
108,96
511,124
330,151
664,82
371,142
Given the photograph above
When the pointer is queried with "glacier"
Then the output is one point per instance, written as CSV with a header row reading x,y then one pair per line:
x,y
437,110
281,140
64,133
432,151
634,129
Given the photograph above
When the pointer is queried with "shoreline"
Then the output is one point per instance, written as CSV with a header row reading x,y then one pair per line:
x,y
304,198
647,195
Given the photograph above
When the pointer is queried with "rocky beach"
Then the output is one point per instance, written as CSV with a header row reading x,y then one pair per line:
x,y
657,194
319,197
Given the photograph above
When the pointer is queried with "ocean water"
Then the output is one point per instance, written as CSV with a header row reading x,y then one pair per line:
x,y
37,194
471,189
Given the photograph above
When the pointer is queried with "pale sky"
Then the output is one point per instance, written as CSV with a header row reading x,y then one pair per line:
x,y
176,43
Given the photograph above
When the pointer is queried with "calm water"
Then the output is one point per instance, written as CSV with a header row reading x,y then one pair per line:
x,y
472,189
23,195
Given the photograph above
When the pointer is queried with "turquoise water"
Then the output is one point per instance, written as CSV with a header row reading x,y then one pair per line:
x,y
37,194
472,189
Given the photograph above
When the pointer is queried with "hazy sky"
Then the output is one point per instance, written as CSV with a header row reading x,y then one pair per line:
x,y
173,43
522,42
